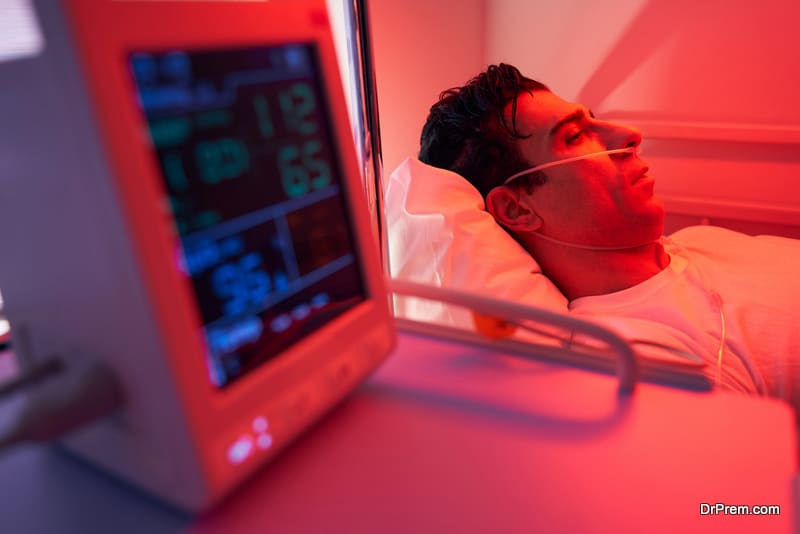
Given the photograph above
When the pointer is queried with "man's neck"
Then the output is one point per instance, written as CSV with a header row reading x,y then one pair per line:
x,y
582,273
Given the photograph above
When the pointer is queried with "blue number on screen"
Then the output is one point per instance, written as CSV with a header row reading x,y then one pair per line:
x,y
300,171
297,104
318,166
241,284
265,125
281,282
221,159
293,177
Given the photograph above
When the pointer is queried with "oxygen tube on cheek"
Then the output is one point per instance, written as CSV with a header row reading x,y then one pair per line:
x,y
627,150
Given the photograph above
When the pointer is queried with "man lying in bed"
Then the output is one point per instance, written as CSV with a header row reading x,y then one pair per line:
x,y
571,189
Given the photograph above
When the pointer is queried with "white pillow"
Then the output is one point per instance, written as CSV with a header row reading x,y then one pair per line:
x,y
440,234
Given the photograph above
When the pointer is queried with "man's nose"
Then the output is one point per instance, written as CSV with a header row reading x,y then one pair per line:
x,y
621,135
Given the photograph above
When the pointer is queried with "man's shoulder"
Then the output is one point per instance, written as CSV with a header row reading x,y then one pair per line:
x,y
711,236
722,244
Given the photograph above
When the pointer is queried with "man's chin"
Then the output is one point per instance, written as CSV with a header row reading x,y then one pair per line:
x,y
652,221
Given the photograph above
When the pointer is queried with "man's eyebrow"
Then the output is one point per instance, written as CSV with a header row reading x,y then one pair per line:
x,y
575,116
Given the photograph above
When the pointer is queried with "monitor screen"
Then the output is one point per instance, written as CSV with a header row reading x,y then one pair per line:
x,y
253,182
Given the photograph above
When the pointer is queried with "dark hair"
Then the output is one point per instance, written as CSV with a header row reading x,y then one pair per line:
x,y
466,130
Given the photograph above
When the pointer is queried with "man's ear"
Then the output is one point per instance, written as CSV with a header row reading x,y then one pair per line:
x,y
508,209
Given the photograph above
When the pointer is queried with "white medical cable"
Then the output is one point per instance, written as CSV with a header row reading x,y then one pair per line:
x,y
717,302
630,150
593,247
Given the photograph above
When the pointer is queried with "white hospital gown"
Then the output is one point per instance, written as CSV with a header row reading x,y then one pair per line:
x,y
753,279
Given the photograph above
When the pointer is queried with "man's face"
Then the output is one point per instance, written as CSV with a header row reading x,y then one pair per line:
x,y
604,200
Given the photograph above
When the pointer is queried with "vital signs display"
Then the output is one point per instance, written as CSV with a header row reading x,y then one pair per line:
x,y
253,184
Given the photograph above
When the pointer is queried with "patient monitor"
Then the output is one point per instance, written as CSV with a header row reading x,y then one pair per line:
x,y
180,200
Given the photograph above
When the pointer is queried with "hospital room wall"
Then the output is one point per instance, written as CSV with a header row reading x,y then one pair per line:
x,y
421,48
712,86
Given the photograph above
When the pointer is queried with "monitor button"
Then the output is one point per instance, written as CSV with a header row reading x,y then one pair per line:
x,y
260,424
240,450
264,441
